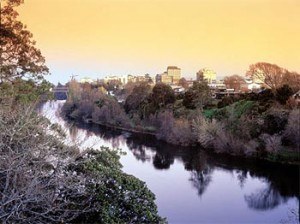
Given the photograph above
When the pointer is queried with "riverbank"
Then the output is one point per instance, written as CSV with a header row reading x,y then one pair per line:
x,y
286,157
253,125
261,191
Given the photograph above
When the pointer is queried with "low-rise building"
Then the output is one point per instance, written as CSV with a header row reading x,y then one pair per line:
x,y
86,80
251,85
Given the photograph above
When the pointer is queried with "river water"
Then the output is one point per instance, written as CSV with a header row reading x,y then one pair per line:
x,y
192,186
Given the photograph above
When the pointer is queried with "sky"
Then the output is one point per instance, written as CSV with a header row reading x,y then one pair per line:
x,y
96,38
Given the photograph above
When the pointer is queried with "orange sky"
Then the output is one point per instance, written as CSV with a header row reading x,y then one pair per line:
x,y
101,37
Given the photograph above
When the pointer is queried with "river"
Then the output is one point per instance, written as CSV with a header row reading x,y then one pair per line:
x,y
192,186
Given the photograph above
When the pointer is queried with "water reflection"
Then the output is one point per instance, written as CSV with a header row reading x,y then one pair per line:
x,y
263,199
277,184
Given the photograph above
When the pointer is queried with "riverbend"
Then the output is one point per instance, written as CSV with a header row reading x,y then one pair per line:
x,y
192,186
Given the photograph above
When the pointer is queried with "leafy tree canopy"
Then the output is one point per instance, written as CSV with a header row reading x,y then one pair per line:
x,y
22,66
19,58
197,96
162,94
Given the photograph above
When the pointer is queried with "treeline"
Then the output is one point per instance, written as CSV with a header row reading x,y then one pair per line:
x,y
261,124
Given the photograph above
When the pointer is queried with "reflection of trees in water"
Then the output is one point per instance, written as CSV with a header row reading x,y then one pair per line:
x,y
264,199
201,167
143,152
163,161
139,151
200,171
242,177
280,186
201,179
282,181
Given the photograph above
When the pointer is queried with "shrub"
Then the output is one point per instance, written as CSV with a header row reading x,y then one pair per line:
x,y
283,94
292,129
272,142
274,122
42,180
225,141
174,131
181,133
206,130
227,100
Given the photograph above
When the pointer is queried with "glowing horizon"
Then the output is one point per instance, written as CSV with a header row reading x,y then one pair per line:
x,y
96,38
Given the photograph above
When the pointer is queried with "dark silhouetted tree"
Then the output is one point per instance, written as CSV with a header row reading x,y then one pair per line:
x,y
283,94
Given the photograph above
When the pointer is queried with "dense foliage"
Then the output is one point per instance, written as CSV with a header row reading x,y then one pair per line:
x,y
19,57
22,66
253,124
42,180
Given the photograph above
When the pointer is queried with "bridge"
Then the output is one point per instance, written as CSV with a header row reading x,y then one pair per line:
x,y
60,92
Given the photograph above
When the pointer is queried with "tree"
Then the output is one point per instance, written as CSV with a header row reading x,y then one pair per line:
x,y
283,94
270,74
22,66
293,80
42,180
182,82
19,58
74,90
234,82
197,96
162,94
137,96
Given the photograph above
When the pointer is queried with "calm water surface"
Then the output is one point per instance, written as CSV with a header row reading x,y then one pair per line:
x,y
192,186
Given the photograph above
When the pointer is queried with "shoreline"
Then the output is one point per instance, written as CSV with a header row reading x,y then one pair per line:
x,y
198,147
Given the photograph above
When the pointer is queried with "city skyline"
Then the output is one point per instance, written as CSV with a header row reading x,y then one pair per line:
x,y
99,38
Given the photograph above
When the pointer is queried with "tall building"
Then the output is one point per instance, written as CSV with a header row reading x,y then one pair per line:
x,y
207,75
175,73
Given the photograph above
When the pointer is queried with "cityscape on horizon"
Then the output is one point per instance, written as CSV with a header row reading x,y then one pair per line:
x,y
100,38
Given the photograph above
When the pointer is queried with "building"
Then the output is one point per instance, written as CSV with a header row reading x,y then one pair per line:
x,y
251,85
207,75
86,80
165,78
175,73
112,78
171,76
